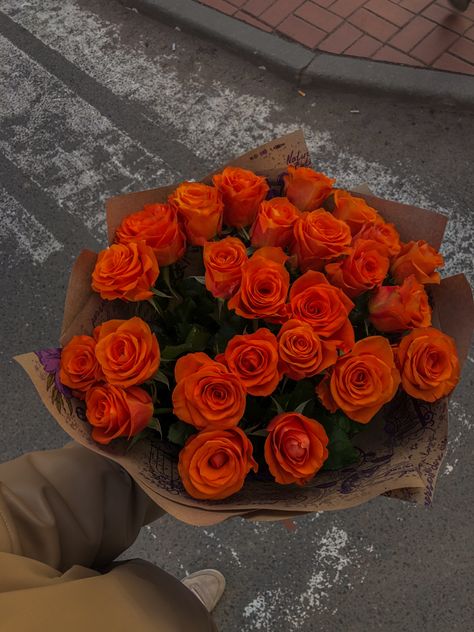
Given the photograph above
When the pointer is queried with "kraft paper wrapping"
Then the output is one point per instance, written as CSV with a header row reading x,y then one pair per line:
x,y
400,450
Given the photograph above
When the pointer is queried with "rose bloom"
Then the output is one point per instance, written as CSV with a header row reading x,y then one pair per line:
x,y
79,367
242,192
223,261
295,448
398,307
318,238
157,225
306,188
274,223
200,207
420,259
324,307
125,271
127,351
214,463
361,381
302,352
207,394
254,359
365,268
385,234
264,286
429,364
117,412
354,211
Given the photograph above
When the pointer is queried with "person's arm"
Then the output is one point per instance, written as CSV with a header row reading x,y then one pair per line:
x,y
70,506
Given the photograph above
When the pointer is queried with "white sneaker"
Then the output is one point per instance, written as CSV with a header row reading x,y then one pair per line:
x,y
208,585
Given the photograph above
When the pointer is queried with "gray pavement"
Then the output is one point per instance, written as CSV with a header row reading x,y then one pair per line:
x,y
96,99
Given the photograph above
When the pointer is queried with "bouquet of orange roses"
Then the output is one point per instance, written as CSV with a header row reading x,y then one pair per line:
x,y
259,324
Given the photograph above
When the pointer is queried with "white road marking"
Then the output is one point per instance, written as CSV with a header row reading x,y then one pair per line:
x,y
32,239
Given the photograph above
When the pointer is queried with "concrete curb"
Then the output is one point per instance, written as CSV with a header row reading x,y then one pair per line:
x,y
306,68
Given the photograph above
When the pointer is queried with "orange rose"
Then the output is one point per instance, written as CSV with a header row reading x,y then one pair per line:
x,y
125,271
353,210
400,307
302,352
200,207
214,463
362,381
127,351
428,363
79,367
254,359
320,237
223,261
157,225
383,233
295,448
117,412
420,259
365,268
242,191
264,286
207,394
306,188
326,308
274,223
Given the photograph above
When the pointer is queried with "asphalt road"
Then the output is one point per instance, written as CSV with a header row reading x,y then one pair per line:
x,y
95,100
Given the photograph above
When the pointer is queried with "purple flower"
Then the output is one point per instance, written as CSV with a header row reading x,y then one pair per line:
x,y
50,360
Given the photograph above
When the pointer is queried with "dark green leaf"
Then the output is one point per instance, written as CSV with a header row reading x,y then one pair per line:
x,y
179,432
155,425
161,377
141,435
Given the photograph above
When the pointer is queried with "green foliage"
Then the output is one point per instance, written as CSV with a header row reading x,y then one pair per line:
x,y
179,432
339,429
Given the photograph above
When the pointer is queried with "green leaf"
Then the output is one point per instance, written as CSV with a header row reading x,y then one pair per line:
x,y
263,432
302,406
162,378
341,451
196,340
199,279
138,437
278,406
156,425
179,432
303,391
160,293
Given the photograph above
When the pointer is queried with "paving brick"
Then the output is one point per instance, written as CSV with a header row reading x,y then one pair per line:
x,y
415,6
301,31
237,3
389,11
344,8
365,46
318,16
434,45
325,3
387,53
342,38
372,24
279,11
257,7
463,48
449,19
245,17
220,5
453,64
470,33
411,34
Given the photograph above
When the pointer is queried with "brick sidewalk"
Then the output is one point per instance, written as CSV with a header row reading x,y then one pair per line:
x,y
423,33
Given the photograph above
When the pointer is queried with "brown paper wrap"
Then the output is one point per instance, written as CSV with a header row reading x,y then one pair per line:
x,y
400,450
